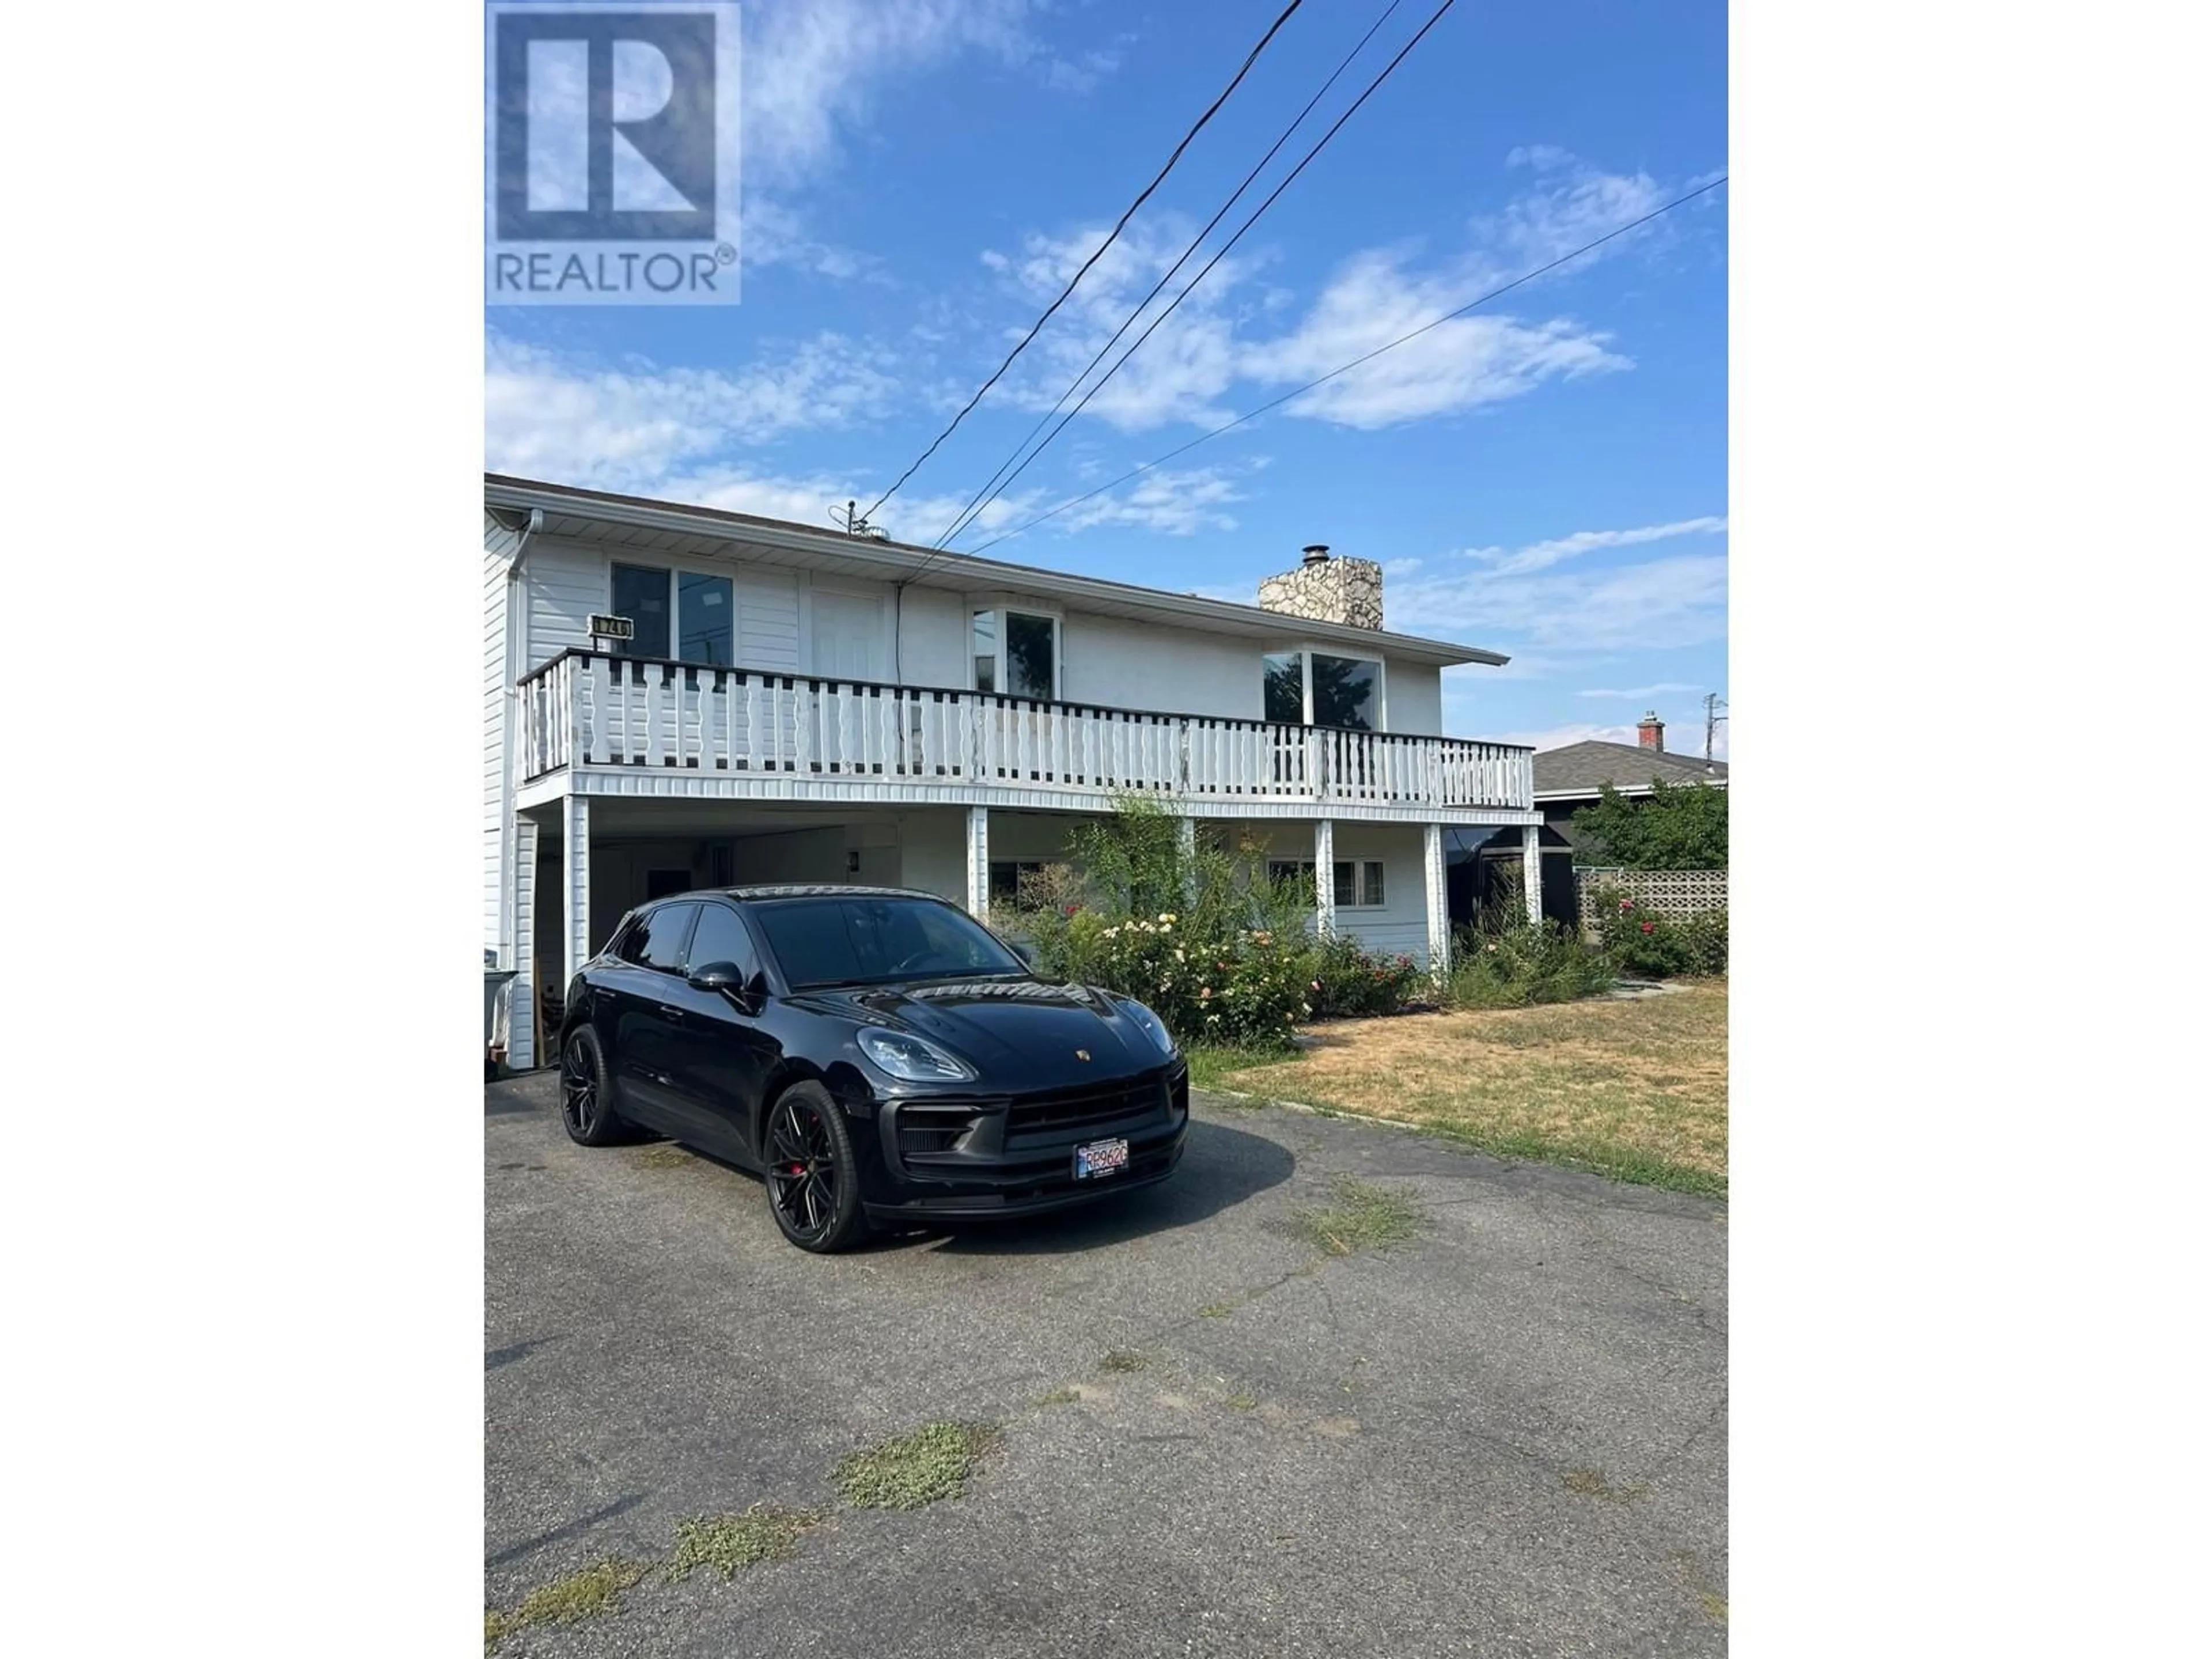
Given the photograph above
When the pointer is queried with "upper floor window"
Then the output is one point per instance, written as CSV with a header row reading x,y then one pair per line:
x,y
1313,688
1015,652
675,613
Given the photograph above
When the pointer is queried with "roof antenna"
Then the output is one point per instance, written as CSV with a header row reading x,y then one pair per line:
x,y
850,521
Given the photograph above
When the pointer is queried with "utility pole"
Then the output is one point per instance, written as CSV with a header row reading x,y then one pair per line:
x,y
1712,703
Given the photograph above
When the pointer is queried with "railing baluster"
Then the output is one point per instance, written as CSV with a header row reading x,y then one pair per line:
x,y
594,708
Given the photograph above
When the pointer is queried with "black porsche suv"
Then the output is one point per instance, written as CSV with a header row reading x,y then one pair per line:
x,y
874,1053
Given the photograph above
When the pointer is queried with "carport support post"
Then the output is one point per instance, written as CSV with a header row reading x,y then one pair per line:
x,y
1432,872
522,989
979,862
1187,855
1532,872
1325,876
575,885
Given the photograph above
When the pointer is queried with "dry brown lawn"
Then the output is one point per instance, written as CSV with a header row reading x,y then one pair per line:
x,y
1633,1089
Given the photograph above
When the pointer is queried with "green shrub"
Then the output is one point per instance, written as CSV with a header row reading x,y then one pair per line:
x,y
1196,934
1653,947
1679,826
1344,982
1247,989
1518,964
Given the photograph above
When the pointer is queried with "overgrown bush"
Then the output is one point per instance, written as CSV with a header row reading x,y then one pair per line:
x,y
1517,964
1679,826
1194,933
1346,982
1653,947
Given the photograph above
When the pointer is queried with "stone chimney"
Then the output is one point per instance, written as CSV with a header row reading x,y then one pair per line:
x,y
1651,733
1324,588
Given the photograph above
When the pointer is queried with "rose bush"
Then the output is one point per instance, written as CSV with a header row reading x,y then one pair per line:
x,y
1653,947
1246,987
1347,981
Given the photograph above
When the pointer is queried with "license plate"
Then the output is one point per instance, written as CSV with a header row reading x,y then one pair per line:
x,y
1100,1157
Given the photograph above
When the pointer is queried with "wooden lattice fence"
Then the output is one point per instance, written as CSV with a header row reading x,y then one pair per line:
x,y
1678,895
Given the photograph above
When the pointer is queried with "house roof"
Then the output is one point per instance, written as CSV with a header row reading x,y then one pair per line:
x,y
1581,769
638,524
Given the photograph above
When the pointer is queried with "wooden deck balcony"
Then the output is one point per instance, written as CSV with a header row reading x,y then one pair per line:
x,y
604,718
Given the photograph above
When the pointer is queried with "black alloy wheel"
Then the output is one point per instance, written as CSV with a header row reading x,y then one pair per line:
x,y
586,1111
812,1187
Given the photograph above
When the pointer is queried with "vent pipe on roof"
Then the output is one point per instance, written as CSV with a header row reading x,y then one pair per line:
x,y
1317,553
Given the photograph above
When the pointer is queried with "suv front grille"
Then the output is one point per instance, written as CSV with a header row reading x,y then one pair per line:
x,y
1061,1113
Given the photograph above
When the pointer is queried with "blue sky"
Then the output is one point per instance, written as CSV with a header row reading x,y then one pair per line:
x,y
1546,477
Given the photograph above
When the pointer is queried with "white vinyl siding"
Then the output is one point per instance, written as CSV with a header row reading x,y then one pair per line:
x,y
1416,698
1121,663
499,548
563,585
768,620
1399,926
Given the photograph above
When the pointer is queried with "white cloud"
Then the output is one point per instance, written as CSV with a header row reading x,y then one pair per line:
x,y
1182,371
1214,342
808,499
1573,202
815,70
1559,736
1540,555
1543,158
1642,693
1170,503
817,73
1657,605
628,426
777,234
1456,366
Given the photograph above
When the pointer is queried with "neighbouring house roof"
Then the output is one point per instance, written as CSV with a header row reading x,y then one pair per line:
x,y
640,525
1582,769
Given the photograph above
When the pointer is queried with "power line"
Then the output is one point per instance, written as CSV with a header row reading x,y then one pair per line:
x,y
1250,58
1320,145
965,516
1345,369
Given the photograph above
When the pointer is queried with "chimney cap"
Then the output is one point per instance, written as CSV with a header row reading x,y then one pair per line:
x,y
1316,553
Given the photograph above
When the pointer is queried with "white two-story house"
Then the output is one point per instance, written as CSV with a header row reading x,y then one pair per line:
x,y
678,698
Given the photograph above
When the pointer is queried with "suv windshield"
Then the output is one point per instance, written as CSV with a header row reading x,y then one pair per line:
x,y
877,941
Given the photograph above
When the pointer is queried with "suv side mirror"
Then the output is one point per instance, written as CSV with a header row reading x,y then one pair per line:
x,y
727,977
1026,951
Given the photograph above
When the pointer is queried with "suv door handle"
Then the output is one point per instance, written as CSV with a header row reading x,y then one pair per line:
x,y
673,1014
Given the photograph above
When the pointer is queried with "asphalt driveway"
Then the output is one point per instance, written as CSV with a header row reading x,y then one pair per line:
x,y
1506,1435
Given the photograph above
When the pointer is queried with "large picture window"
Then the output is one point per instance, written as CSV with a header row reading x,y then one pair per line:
x,y
1313,688
705,618
674,613
1286,687
1347,691
642,595
1016,652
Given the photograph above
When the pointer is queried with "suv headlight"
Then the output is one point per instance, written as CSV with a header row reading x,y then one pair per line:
x,y
911,1059
1155,1027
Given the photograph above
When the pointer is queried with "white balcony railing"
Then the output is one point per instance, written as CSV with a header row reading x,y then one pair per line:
x,y
586,708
